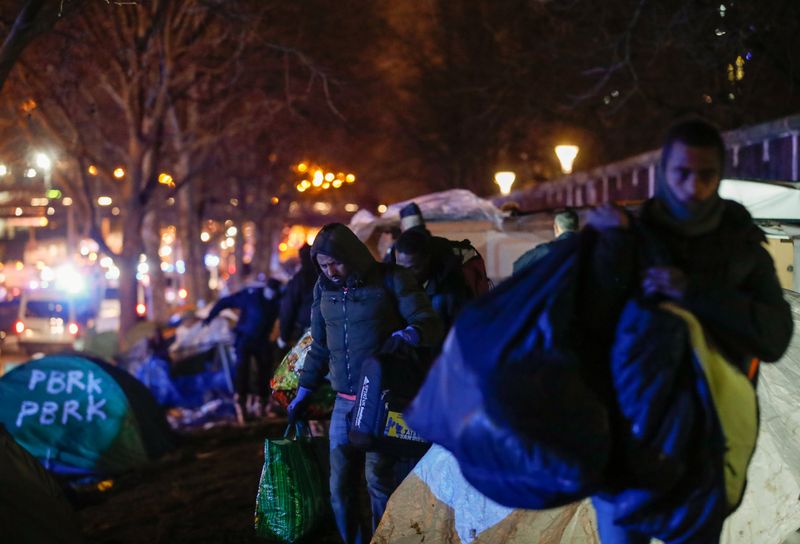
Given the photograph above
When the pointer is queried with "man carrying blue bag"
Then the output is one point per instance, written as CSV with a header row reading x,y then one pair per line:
x,y
622,371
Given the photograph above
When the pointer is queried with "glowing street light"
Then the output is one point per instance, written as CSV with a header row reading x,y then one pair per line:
x,y
566,156
43,161
3,169
505,180
92,170
119,173
104,201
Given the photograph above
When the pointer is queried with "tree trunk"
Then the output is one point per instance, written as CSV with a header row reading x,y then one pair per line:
x,y
265,230
127,263
151,235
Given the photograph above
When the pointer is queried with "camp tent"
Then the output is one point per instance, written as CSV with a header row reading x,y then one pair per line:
x,y
436,505
33,508
82,416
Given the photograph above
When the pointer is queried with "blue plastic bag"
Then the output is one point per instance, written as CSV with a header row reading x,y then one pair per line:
x,y
508,396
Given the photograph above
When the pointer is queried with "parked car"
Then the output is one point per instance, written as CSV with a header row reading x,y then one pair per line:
x,y
48,321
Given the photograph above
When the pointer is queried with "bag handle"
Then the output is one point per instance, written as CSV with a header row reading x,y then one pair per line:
x,y
301,430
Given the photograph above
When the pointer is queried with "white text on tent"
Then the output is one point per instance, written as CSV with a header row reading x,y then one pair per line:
x,y
60,382
50,410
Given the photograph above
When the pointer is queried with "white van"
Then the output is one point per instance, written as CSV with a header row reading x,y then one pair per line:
x,y
47,322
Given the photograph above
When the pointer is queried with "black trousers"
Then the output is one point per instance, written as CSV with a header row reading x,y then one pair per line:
x,y
253,366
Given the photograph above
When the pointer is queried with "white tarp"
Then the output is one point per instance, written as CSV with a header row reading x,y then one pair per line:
x,y
771,506
763,200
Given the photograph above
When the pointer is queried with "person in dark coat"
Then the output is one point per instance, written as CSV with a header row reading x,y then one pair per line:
x,y
359,304
295,314
565,225
701,252
258,305
438,271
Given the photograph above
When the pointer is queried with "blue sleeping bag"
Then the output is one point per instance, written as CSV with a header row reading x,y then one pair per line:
x,y
507,395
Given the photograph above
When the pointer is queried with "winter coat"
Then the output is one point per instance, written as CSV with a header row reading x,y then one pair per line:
x,y
538,252
295,314
351,322
446,287
733,289
257,314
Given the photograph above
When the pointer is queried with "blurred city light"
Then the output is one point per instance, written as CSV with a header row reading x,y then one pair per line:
x,y
350,207
104,201
69,279
204,236
566,156
43,161
30,173
231,231
505,180
119,173
67,201
3,169
382,208
92,170
211,261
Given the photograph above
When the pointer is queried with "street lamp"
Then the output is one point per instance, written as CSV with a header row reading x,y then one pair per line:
x,y
43,161
505,180
566,156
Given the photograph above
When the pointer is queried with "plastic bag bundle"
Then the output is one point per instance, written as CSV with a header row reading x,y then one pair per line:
x,y
508,397
293,491
285,381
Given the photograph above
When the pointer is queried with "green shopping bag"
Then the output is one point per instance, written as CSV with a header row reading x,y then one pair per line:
x,y
293,492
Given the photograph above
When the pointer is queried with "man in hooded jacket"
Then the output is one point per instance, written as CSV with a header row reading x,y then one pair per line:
x,y
701,252
438,271
295,315
359,304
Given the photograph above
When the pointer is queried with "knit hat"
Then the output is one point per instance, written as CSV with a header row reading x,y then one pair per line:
x,y
411,216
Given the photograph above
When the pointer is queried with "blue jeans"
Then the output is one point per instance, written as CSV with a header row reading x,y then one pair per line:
x,y
609,532
383,474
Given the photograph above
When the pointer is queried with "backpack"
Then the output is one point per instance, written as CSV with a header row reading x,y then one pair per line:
x,y
473,266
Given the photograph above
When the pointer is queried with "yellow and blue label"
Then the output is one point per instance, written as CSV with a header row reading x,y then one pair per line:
x,y
396,427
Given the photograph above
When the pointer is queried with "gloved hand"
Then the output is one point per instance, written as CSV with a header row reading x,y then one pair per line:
x,y
282,344
409,335
299,404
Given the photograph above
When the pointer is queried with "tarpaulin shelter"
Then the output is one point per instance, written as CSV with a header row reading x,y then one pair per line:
x,y
82,416
33,508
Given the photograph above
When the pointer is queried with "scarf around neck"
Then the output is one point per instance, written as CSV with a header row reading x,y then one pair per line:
x,y
689,220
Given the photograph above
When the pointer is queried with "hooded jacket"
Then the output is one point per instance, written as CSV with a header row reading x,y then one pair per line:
x,y
446,287
351,322
257,314
295,316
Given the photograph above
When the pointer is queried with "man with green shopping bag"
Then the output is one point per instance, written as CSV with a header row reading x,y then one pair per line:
x,y
358,305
